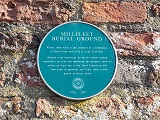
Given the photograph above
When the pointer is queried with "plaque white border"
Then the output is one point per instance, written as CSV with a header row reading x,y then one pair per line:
x,y
56,91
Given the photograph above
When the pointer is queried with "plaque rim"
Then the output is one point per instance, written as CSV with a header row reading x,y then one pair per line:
x,y
72,98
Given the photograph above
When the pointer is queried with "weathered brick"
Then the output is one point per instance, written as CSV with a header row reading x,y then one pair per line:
x,y
156,9
34,12
17,107
16,104
149,104
137,44
28,74
116,12
43,106
154,78
2,102
114,106
19,42
1,64
2,79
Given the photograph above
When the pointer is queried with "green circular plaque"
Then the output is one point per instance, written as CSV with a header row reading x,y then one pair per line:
x,y
77,60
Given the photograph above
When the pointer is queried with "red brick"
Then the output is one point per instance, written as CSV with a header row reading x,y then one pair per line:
x,y
116,12
137,44
34,12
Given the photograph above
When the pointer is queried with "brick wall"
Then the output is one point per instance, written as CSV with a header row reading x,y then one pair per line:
x,y
132,25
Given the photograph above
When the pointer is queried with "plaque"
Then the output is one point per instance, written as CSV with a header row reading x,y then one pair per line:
x,y
77,60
